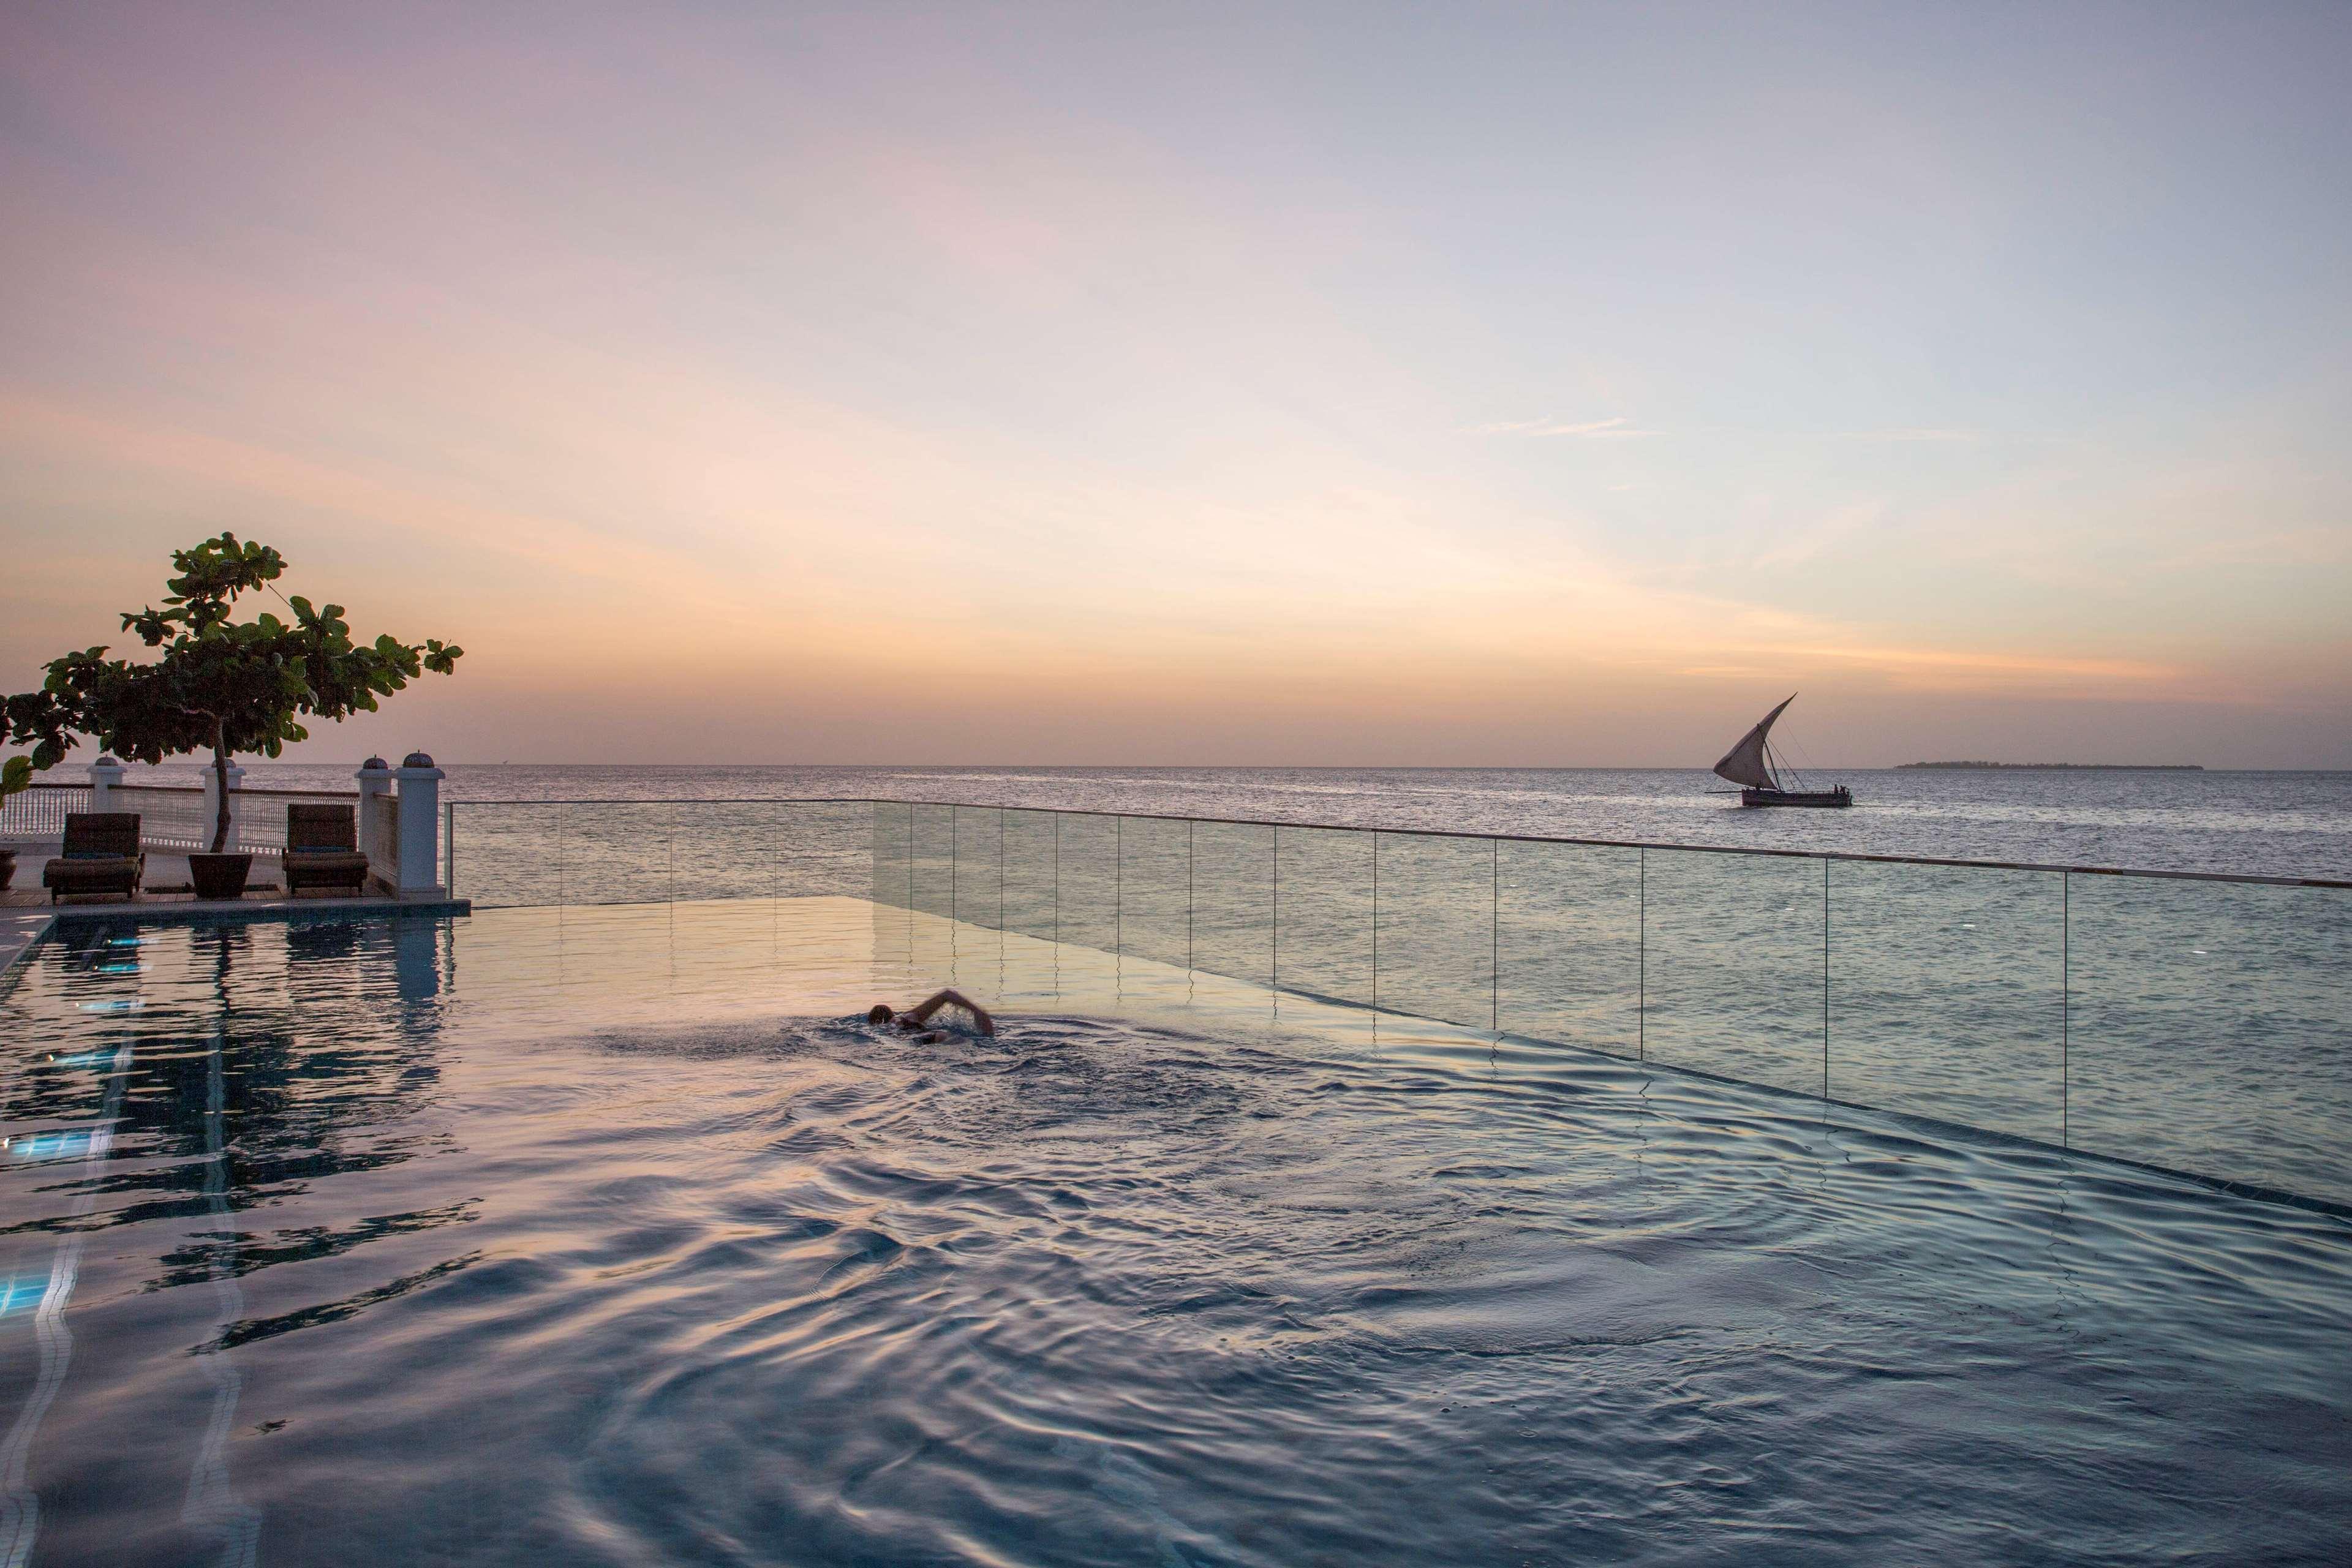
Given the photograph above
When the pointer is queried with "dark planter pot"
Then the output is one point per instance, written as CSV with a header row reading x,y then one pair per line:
x,y
219,876
7,869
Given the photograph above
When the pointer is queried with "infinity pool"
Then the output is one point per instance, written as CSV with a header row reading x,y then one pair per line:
x,y
616,1236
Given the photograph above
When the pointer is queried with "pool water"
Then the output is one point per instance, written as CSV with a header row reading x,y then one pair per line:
x,y
617,1237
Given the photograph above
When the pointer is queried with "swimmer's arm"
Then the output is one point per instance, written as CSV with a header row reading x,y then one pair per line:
x,y
916,1017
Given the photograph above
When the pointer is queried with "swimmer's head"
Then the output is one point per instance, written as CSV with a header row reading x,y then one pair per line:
x,y
879,1014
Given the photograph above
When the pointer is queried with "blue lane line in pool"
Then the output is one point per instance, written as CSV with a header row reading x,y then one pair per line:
x,y
49,1146
22,1293
19,1508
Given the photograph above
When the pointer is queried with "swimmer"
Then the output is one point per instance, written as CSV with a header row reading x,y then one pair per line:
x,y
915,1018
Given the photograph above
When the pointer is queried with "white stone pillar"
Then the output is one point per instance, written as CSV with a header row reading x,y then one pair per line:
x,y
211,808
104,775
420,827
379,840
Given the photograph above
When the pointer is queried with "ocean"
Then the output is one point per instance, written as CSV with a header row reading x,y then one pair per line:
x,y
2257,824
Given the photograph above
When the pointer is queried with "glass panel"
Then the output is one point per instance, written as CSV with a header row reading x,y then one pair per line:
x,y
894,934
1031,960
934,878
1734,972
1032,873
822,849
1434,940
1945,993
1088,881
613,852
722,849
930,944
1323,915
894,853
2211,1028
1233,900
978,841
507,855
1569,944
1155,890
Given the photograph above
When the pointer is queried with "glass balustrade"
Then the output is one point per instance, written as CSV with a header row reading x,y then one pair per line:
x,y
2192,1024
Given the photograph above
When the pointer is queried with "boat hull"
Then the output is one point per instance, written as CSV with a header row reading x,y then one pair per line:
x,y
1816,797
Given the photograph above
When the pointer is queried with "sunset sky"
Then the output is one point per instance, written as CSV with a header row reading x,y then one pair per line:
x,y
1449,385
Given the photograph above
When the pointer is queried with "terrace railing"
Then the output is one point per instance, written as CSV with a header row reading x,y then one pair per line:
x,y
182,820
2188,1022
169,818
38,811
379,828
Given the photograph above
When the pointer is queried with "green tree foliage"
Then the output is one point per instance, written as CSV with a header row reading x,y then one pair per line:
x,y
218,684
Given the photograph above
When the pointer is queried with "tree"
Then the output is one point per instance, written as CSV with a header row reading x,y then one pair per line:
x,y
218,684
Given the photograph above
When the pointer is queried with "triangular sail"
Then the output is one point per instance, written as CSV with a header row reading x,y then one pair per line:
x,y
1746,762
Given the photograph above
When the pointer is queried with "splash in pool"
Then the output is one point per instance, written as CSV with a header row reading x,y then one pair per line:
x,y
915,1020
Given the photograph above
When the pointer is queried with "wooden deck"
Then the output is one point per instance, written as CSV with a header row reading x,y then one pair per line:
x,y
166,879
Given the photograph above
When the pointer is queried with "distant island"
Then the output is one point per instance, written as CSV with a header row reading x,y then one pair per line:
x,y
2075,767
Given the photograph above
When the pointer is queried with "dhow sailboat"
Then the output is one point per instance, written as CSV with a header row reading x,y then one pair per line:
x,y
1751,765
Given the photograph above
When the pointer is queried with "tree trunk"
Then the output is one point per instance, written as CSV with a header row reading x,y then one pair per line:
x,y
220,790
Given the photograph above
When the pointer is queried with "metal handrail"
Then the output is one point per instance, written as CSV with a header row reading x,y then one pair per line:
x,y
1851,855
183,789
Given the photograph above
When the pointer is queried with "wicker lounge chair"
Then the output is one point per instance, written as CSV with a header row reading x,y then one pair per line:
x,y
322,849
101,856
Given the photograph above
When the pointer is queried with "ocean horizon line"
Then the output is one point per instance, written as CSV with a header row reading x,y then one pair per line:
x,y
252,763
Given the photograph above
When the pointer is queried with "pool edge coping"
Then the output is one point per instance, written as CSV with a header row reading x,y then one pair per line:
x,y
12,958
46,921
223,912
